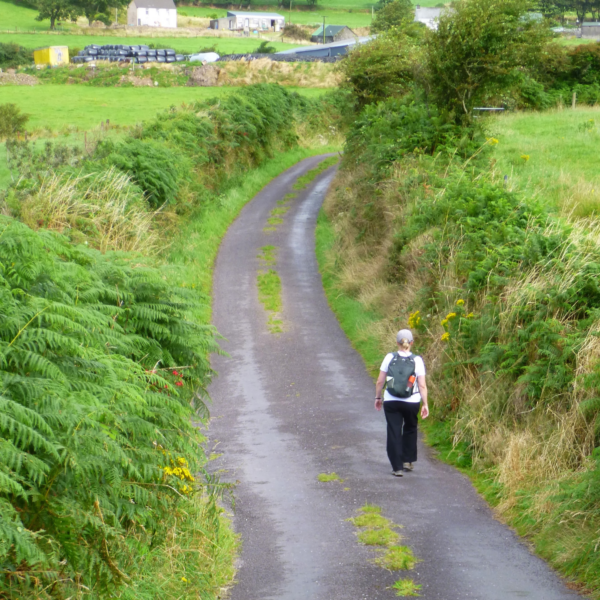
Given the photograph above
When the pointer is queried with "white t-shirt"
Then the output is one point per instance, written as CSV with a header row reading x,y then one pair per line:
x,y
419,370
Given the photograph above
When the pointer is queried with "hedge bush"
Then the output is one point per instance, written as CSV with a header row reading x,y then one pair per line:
x,y
98,359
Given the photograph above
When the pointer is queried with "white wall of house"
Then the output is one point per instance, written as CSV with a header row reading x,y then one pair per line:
x,y
259,23
151,17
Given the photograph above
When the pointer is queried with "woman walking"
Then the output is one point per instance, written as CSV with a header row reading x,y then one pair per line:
x,y
403,375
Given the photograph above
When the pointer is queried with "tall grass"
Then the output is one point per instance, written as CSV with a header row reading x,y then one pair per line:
x,y
104,209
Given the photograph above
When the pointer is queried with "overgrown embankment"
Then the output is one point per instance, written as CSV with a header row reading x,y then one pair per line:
x,y
504,297
104,349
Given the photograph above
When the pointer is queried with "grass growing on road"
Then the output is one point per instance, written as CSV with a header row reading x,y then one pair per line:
x,y
303,181
378,537
406,587
268,255
269,293
397,558
325,477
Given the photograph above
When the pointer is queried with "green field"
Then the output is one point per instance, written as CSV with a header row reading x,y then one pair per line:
x,y
57,106
562,146
572,41
15,16
181,44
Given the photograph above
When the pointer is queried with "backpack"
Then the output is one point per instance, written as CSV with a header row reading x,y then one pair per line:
x,y
400,380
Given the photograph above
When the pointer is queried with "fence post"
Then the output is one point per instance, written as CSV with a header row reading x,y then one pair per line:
x,y
574,101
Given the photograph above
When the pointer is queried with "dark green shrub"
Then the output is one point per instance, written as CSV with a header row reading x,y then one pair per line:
x,y
384,67
264,48
388,131
158,170
12,121
13,55
393,14
296,32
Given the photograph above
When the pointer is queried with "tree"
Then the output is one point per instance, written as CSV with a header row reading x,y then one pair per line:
x,y
12,120
393,14
480,49
56,11
383,68
92,8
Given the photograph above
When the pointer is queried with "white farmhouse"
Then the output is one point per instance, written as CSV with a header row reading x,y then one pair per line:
x,y
152,13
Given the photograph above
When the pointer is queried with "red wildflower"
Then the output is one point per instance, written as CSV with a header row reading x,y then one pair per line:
x,y
175,373
179,383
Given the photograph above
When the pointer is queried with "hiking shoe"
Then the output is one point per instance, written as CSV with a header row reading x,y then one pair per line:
x,y
397,473
408,466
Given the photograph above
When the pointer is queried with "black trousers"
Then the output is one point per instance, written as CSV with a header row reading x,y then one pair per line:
x,y
402,418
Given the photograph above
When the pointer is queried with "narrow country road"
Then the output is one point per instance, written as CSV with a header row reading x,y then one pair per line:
x,y
290,406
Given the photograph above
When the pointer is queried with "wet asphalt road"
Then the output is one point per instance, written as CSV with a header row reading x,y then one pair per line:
x,y
288,407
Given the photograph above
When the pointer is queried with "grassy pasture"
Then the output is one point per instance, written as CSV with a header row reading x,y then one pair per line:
x,y
87,106
181,44
574,41
562,146
15,16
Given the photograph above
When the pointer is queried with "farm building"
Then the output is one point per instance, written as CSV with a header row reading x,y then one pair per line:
x,y
327,50
590,30
152,13
333,33
427,16
237,20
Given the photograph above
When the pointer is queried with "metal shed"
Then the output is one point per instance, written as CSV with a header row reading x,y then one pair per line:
x,y
334,49
590,30
333,33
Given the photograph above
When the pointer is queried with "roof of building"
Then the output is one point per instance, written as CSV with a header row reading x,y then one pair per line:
x,y
330,30
316,47
244,13
154,4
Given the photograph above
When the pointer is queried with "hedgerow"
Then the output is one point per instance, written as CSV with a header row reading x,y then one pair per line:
x,y
505,299
104,491
98,361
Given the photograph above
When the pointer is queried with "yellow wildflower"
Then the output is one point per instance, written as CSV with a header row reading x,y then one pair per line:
x,y
492,141
444,322
525,157
184,580
450,315
470,316
445,337
414,319
460,302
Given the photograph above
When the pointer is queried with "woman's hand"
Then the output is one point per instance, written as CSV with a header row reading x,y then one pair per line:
x,y
378,403
424,411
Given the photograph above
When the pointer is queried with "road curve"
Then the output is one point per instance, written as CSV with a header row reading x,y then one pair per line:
x,y
290,406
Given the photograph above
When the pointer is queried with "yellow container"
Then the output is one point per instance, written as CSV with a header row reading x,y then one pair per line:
x,y
54,55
